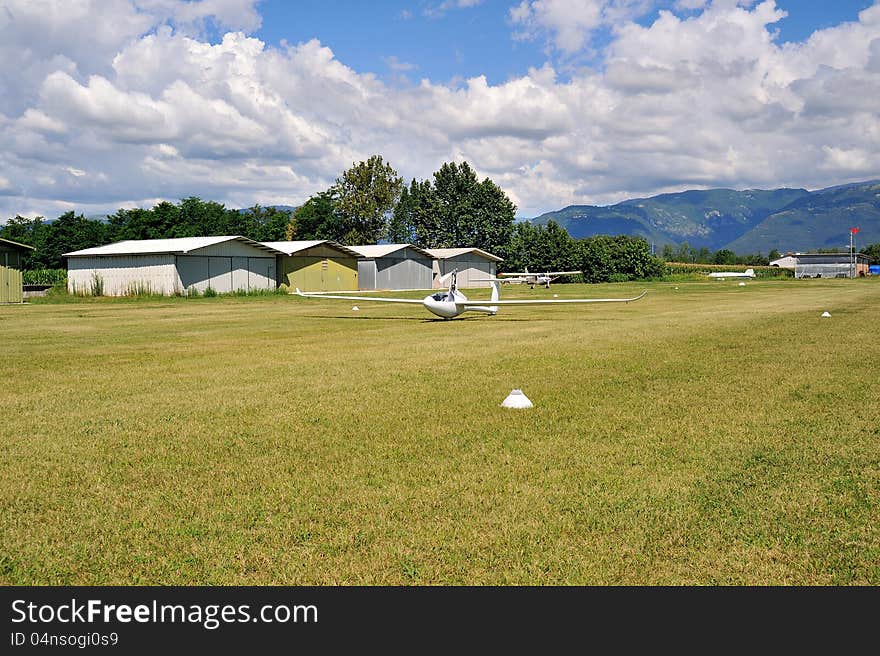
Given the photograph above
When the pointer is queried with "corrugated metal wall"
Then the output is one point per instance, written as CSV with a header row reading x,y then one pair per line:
x,y
120,275
10,276
225,274
406,269
470,270
319,274
366,274
225,268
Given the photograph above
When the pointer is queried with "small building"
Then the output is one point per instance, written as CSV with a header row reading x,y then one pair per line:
x,y
394,266
11,264
473,264
316,266
831,265
172,266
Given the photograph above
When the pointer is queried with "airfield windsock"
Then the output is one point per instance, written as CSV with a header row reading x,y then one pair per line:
x,y
853,230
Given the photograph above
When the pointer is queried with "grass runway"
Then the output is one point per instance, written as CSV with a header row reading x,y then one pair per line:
x,y
707,434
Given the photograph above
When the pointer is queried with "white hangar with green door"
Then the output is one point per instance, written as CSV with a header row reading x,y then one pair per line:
x,y
393,266
316,266
474,266
173,266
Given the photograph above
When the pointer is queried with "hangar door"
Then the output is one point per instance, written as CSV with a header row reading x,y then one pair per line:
x,y
321,274
225,274
10,277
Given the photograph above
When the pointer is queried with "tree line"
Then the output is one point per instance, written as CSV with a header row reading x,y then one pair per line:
x,y
368,203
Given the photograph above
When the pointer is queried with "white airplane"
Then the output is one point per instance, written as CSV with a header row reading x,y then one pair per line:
x,y
748,273
533,279
451,303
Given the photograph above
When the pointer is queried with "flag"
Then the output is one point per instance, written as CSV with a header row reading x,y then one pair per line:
x,y
853,230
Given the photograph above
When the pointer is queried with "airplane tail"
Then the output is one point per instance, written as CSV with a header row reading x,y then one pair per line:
x,y
750,272
496,290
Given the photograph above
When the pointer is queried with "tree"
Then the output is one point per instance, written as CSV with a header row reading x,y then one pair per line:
x,y
873,253
365,194
458,210
259,223
69,232
724,256
540,248
199,218
774,255
402,226
604,258
26,231
317,218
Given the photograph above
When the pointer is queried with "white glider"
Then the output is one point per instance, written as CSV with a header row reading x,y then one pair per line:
x,y
452,303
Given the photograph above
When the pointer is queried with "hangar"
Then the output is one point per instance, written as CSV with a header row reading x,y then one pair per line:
x,y
316,266
394,266
11,257
831,265
474,265
172,266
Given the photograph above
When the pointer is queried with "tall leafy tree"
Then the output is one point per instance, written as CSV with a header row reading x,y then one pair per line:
x,y
317,218
69,232
259,223
402,226
365,196
458,210
27,231
540,248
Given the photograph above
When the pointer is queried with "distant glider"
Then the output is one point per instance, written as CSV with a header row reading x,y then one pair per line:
x,y
533,279
452,303
748,273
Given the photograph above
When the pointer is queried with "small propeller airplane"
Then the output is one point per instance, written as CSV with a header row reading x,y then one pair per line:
x,y
533,279
452,303
748,273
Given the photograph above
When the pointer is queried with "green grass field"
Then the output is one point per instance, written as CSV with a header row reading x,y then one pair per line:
x,y
708,434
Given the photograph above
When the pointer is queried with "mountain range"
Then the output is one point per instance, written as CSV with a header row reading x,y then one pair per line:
x,y
748,221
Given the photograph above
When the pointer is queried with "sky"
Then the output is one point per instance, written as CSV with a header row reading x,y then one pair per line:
x,y
122,103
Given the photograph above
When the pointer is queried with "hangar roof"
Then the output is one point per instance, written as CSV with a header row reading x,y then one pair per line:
x,y
443,253
178,245
383,250
15,244
291,247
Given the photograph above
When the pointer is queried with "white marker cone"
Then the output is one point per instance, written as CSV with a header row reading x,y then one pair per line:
x,y
516,399
742,284
355,308
826,314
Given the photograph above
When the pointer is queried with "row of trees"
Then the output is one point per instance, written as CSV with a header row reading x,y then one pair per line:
x,y
192,217
370,202
684,252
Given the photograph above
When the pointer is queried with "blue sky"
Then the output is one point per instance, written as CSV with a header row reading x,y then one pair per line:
x,y
455,43
560,102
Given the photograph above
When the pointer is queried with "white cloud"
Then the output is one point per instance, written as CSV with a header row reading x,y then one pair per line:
x,y
395,64
707,100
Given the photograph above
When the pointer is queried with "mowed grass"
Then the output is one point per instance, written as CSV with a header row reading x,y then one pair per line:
x,y
707,434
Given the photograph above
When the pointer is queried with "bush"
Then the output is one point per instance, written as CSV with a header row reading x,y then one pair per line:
x,y
97,286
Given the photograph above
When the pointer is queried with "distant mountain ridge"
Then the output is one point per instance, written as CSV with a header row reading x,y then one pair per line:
x,y
748,221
